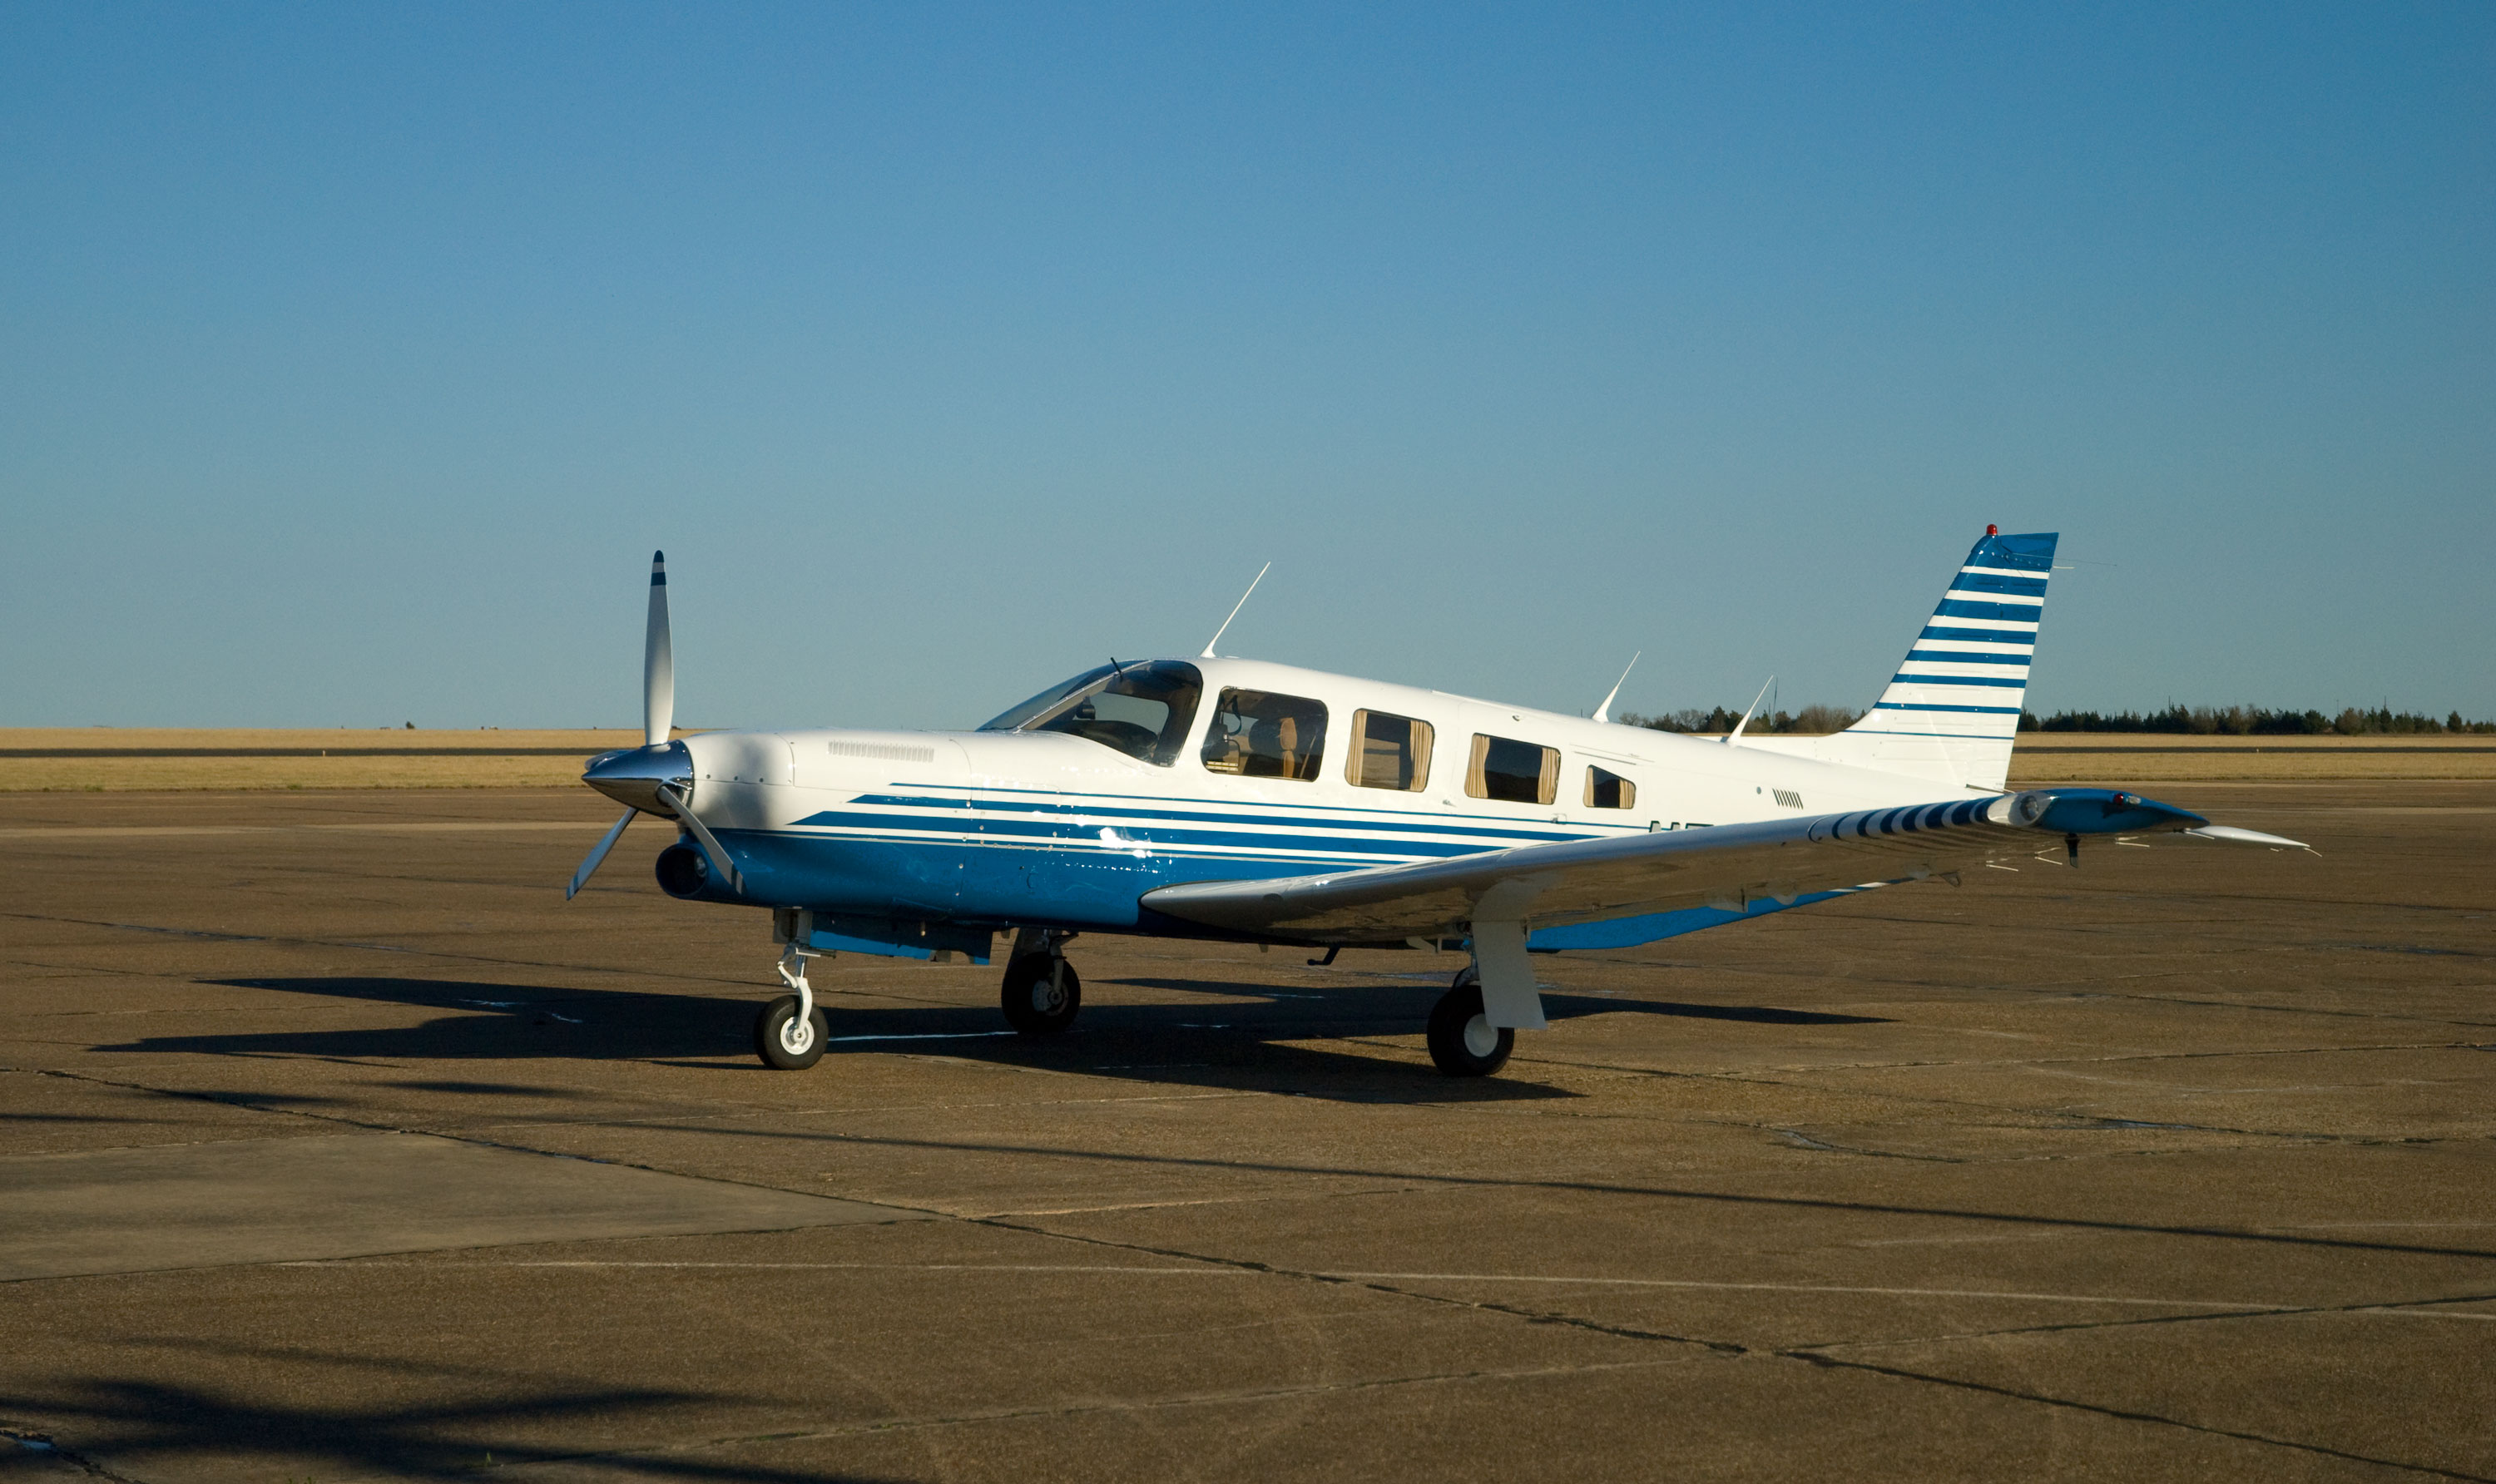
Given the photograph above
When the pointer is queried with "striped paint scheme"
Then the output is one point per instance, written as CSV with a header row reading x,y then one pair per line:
x,y
1175,828
1967,673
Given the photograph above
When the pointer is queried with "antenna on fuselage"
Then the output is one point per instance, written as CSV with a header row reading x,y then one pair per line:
x,y
1736,732
1235,611
1603,712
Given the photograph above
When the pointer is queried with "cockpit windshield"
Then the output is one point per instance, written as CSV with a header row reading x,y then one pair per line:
x,y
1143,710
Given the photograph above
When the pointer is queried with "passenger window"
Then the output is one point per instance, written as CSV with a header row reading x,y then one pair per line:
x,y
1390,752
1517,772
1606,790
1259,734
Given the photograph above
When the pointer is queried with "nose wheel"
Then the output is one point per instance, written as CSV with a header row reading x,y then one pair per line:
x,y
788,1035
1042,992
1463,1042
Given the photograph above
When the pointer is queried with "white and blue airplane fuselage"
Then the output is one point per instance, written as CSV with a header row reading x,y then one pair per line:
x,y
1239,800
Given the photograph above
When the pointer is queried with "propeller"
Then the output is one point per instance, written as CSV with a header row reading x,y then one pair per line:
x,y
597,856
658,719
658,661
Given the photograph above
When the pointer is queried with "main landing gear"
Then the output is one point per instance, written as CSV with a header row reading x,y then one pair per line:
x,y
1040,992
788,1035
1463,1042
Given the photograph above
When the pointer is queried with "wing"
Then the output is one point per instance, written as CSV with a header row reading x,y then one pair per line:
x,y
1725,866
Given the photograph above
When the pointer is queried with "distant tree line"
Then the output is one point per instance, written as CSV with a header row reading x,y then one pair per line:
x,y
1716,718
2185,720
2256,722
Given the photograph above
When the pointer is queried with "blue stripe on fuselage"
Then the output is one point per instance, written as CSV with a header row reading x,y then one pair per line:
x,y
988,807
1137,835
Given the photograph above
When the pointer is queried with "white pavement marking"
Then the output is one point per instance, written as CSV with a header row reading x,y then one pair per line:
x,y
926,1036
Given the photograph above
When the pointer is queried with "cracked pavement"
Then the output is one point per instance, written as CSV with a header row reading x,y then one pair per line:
x,y
335,1145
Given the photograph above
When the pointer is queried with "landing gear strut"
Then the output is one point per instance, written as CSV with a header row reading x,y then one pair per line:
x,y
1040,992
1463,1042
788,1035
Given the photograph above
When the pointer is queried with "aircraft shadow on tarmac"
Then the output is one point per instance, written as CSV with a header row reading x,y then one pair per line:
x,y
137,1423
1237,1036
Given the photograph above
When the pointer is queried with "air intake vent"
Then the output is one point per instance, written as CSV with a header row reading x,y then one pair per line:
x,y
888,752
1788,798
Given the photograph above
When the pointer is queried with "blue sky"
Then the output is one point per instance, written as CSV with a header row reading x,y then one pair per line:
x,y
353,359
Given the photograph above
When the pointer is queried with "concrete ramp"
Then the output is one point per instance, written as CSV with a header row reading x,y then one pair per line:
x,y
353,1195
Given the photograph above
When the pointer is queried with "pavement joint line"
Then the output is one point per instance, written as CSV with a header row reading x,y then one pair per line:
x,y
1704,1284
1214,1267
230,1100
1598,1187
374,947
1261,1199
1721,1347
1239,1397
1802,1140
839,1111
2063,1121
2210,1314
2127,1414
1208,1271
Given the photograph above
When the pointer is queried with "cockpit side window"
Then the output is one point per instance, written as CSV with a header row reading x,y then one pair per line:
x,y
1511,771
1259,734
1388,752
1143,710
1607,790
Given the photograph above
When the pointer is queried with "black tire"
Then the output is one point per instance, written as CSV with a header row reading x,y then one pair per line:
x,y
1462,1042
1041,995
782,1043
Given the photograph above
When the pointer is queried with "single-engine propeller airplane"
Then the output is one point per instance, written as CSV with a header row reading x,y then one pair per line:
x,y
1239,800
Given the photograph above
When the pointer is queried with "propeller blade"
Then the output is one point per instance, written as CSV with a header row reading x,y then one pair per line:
x,y
711,848
598,857
658,662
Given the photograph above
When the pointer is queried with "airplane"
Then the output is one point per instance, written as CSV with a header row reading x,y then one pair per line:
x,y
1236,800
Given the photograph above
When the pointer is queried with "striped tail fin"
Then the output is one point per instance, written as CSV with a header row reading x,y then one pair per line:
x,y
1952,709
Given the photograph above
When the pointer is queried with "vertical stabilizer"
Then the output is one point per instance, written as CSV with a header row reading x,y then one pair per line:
x,y
1953,709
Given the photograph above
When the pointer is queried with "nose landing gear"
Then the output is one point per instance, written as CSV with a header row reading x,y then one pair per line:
x,y
1042,992
788,1035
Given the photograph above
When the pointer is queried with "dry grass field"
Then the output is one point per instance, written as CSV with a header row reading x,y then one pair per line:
x,y
2131,757
117,759
120,758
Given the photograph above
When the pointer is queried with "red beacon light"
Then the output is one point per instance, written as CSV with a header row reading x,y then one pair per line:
x,y
1993,529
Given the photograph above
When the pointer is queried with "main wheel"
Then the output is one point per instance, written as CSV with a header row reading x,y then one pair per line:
x,y
786,1043
1463,1042
1040,994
